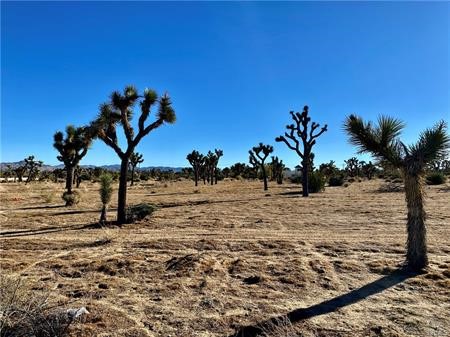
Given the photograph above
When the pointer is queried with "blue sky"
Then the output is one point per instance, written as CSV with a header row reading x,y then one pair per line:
x,y
233,70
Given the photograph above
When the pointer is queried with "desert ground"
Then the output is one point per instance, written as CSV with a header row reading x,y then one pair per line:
x,y
213,259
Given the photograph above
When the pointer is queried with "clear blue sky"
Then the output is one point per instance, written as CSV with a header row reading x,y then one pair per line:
x,y
234,71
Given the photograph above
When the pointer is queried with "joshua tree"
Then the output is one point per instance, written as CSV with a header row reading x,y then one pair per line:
x,y
196,159
328,169
71,150
119,111
277,170
135,159
302,135
209,165
383,143
33,168
352,166
105,194
258,156
19,171
218,153
368,169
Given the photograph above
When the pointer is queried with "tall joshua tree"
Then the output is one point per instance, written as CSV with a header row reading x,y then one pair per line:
x,y
258,155
135,159
383,143
72,148
119,111
301,137
196,159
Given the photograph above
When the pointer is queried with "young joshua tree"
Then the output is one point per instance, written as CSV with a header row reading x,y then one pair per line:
x,y
105,194
383,143
33,168
196,159
301,137
119,111
258,156
135,159
72,148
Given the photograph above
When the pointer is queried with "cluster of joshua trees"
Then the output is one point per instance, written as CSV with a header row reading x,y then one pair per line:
x,y
301,135
205,166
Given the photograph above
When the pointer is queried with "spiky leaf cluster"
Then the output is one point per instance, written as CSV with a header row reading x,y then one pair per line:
x,y
119,111
74,146
382,142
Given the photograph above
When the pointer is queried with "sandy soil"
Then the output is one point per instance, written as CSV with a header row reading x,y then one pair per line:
x,y
212,259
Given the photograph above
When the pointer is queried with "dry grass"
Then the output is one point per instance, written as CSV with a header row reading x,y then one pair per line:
x,y
214,258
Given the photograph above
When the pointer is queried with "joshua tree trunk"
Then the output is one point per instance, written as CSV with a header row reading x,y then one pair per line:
x,y
196,177
69,178
121,211
264,177
212,176
416,255
305,177
103,215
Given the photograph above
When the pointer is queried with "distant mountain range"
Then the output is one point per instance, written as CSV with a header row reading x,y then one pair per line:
x,y
116,167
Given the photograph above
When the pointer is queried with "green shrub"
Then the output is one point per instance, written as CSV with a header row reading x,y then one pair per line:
x,y
336,181
435,178
316,182
71,198
139,212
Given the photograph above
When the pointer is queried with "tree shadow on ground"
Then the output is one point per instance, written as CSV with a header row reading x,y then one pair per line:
x,y
47,230
329,306
29,208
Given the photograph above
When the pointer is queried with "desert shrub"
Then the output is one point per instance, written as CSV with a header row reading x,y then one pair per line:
x,y
336,181
26,312
296,179
138,212
71,198
351,180
316,182
435,178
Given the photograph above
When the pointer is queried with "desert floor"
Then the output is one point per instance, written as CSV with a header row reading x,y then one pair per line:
x,y
212,259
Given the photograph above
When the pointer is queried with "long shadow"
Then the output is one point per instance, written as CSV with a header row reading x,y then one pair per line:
x,y
329,306
46,230
206,202
32,207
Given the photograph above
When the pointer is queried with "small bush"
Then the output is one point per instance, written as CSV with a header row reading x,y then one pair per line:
x,y
71,198
139,212
316,182
336,181
435,178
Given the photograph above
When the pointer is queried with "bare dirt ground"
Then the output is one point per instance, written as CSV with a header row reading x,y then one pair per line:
x,y
214,258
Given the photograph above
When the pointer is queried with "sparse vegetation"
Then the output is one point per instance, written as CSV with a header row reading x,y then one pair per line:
x,y
435,178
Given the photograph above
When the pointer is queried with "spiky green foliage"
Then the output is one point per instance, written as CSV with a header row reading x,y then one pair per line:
x,y
257,157
118,111
301,137
382,142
